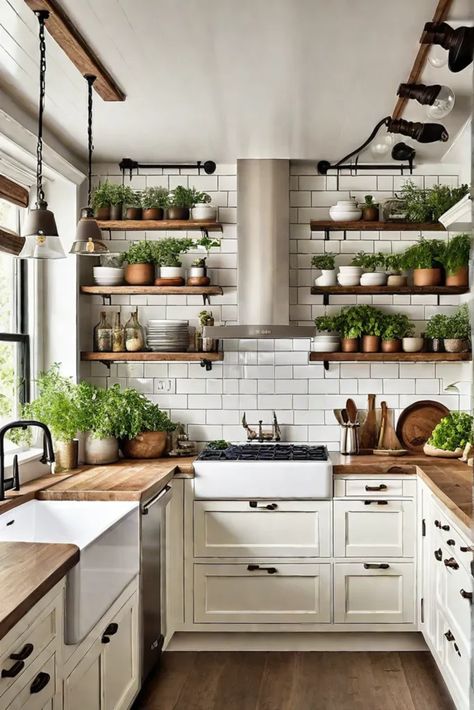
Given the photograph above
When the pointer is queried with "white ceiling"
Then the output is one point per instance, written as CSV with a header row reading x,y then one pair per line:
x,y
226,79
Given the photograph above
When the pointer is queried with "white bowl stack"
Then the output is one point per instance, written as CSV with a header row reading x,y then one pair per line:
x,y
168,335
349,275
108,275
326,343
373,278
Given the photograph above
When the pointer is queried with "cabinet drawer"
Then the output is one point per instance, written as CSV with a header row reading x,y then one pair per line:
x,y
374,595
456,662
262,528
374,528
25,649
446,534
38,691
293,593
374,487
455,595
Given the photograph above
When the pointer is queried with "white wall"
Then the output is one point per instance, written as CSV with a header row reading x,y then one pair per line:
x,y
259,376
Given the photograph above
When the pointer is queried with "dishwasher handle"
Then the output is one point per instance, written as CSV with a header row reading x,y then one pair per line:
x,y
163,498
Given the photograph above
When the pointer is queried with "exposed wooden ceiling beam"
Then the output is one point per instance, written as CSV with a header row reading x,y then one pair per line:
x,y
421,58
66,34
13,192
11,243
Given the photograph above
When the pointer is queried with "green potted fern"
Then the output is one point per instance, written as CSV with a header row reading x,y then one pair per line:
x,y
154,200
424,259
455,260
102,199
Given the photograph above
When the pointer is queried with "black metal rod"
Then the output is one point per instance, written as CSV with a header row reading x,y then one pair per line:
x,y
208,166
355,167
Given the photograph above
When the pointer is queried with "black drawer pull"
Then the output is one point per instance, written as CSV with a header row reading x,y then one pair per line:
x,y
22,655
14,670
451,543
255,568
268,506
449,635
465,595
438,554
437,524
377,502
456,648
445,527
373,565
451,563
466,549
111,630
40,682
380,487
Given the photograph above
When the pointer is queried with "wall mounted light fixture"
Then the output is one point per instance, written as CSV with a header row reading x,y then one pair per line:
x,y
459,42
438,99
40,230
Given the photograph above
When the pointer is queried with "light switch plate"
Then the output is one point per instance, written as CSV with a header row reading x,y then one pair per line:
x,y
163,385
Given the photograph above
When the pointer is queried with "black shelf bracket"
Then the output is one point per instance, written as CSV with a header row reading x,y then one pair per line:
x,y
327,234
207,364
106,299
326,365
325,299
206,301
106,363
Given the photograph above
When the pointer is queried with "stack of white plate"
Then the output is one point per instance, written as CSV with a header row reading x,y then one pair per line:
x,y
168,335
326,343
108,275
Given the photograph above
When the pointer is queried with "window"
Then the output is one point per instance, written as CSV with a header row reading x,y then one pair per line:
x,y
14,339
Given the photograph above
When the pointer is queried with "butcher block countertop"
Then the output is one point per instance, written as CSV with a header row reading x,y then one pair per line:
x,y
28,570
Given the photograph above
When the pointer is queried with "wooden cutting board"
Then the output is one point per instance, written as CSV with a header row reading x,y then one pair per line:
x,y
417,422
368,435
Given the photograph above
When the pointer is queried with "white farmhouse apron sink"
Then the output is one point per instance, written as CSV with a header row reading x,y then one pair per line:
x,y
107,534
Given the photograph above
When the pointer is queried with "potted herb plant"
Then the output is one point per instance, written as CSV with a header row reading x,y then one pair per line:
x,y
197,275
424,259
371,325
458,331
140,269
100,412
154,200
101,200
393,268
168,257
370,262
181,200
370,209
326,263
116,194
395,326
209,345
450,436
132,202
425,206
436,332
203,211
348,324
143,427
455,260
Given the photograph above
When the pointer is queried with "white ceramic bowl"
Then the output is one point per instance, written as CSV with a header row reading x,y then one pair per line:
x,y
348,280
412,345
375,278
350,270
326,347
345,211
107,271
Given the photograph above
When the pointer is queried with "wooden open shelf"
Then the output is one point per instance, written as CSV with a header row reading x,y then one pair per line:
x,y
330,225
206,359
159,225
388,357
390,290
153,290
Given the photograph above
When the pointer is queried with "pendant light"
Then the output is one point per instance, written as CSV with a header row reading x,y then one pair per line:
x,y
88,235
40,231
438,99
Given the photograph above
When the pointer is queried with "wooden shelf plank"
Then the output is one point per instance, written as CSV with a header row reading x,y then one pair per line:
x,y
360,226
160,225
151,357
153,290
389,357
390,291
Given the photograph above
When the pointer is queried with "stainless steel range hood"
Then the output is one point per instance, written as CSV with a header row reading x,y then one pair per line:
x,y
263,244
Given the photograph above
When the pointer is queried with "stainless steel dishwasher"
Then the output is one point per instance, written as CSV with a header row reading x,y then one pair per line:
x,y
152,577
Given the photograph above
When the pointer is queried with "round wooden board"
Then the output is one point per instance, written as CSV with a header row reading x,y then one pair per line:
x,y
416,423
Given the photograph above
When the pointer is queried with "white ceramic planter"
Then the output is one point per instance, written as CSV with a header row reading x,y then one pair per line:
x,y
171,272
327,278
204,213
412,345
100,451
345,211
197,272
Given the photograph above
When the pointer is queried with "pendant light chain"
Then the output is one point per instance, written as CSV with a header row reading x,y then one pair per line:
x,y
42,17
90,80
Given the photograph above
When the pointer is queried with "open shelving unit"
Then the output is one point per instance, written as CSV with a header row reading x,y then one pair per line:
x,y
328,225
158,225
326,358
108,291
206,359
327,291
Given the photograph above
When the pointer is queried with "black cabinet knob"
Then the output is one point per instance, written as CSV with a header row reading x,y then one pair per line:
x,y
111,630
14,670
451,563
40,682
22,655
438,554
465,595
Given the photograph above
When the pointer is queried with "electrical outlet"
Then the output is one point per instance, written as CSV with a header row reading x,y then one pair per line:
x,y
163,385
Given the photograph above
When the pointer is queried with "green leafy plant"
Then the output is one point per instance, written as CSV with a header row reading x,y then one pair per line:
x,y
154,197
326,323
458,325
368,261
182,197
396,326
355,321
141,253
167,251
206,318
428,205
131,198
456,253
137,414
116,193
371,318
324,261
442,197
393,263
453,432
426,254
206,242
102,195
199,262
99,409
218,445
436,327
200,198
368,201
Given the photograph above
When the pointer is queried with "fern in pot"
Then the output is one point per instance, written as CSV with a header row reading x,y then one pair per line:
x,y
326,263
455,260
140,258
154,201
143,427
424,259
202,210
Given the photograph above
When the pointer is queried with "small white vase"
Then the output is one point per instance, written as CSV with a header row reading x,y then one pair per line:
x,y
197,271
327,278
100,451
412,345
204,213
345,211
171,272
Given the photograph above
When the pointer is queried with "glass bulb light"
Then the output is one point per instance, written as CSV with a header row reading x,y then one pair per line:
x,y
382,145
40,246
442,105
437,57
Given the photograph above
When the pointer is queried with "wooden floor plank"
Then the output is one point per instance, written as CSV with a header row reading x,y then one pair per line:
x,y
390,678
427,687
277,683
162,690
240,681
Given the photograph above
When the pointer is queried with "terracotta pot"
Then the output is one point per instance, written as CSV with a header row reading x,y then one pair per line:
x,y
66,455
198,281
370,343
392,346
455,345
153,213
459,278
427,277
147,445
350,345
116,212
133,213
139,274
102,213
436,345
370,214
100,451
177,213
396,280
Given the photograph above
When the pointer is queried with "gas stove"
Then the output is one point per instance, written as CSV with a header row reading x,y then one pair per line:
x,y
271,471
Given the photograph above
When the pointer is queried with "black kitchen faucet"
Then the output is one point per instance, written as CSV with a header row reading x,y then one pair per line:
x,y
13,483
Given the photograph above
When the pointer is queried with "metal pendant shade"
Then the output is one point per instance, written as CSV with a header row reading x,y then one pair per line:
x,y
40,230
88,240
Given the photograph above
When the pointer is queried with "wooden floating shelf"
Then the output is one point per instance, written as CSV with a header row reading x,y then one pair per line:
x,y
151,357
153,290
329,225
390,290
159,225
389,357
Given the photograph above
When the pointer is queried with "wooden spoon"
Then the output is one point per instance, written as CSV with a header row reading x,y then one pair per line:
x,y
351,408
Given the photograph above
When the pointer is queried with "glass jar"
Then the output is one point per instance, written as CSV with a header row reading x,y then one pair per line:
x,y
118,335
394,210
134,336
103,335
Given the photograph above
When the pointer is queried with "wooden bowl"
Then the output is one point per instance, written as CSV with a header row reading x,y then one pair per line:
x,y
198,281
177,281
